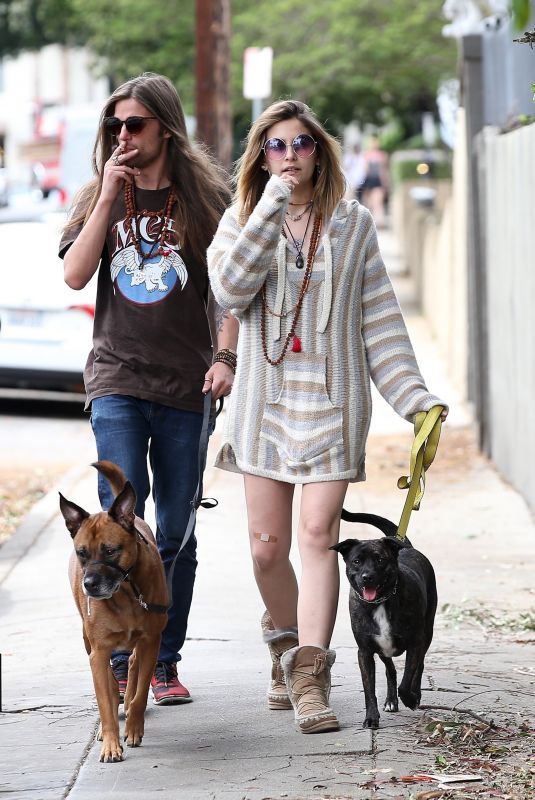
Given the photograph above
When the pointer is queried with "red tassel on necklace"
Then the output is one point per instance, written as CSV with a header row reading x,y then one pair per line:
x,y
296,345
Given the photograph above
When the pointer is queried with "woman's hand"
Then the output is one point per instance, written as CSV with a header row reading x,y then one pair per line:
x,y
116,172
291,180
219,379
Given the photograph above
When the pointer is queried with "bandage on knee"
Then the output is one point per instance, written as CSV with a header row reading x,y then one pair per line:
x,y
265,537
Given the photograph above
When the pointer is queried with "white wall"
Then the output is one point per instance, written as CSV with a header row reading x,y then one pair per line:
x,y
433,245
510,220
444,270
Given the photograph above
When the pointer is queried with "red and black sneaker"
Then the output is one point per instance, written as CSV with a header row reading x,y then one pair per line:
x,y
120,673
166,688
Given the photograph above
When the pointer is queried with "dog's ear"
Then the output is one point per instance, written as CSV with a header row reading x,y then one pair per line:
x,y
122,510
394,545
344,547
72,514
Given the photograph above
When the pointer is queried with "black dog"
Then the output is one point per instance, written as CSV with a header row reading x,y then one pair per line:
x,y
392,604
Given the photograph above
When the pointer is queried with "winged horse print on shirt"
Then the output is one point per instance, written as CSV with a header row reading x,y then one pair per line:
x,y
152,272
145,280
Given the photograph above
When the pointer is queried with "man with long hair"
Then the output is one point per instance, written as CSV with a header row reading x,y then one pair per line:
x,y
147,218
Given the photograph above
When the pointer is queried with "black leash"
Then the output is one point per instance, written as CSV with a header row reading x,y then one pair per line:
x,y
205,502
197,499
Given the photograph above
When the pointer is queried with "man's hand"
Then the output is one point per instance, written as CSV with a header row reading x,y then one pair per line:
x,y
219,379
116,172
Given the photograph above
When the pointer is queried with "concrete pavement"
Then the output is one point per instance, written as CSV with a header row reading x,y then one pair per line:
x,y
226,744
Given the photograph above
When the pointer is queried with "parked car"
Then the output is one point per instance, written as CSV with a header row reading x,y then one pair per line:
x,y
45,327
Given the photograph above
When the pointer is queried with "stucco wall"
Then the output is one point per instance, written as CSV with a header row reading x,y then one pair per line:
x,y
509,229
432,242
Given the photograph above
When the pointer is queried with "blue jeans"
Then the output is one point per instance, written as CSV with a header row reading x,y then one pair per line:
x,y
126,429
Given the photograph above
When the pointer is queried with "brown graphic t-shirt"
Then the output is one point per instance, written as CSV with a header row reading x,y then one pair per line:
x,y
151,336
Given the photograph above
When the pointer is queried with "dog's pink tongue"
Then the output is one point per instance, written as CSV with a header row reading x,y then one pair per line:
x,y
368,593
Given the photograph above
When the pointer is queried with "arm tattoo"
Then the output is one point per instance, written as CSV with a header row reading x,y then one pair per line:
x,y
220,316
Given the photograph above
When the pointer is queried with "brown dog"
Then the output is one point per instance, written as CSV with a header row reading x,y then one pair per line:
x,y
118,582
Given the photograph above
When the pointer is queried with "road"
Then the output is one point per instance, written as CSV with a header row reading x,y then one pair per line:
x,y
44,434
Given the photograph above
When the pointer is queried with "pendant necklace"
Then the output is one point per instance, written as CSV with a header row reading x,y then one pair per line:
x,y
301,213
299,243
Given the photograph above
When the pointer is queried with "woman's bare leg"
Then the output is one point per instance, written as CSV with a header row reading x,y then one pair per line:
x,y
269,512
319,528
377,205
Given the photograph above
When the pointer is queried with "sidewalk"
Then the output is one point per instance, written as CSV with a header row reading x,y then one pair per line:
x,y
226,745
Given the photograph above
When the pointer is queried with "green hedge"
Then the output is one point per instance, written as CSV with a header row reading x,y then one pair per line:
x,y
406,170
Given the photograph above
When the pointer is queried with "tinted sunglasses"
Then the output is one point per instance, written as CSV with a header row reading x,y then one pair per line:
x,y
133,124
303,146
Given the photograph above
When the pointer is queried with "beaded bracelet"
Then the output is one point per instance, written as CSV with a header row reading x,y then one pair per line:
x,y
227,357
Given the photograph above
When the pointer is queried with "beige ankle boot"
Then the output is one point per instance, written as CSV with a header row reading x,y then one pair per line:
x,y
278,641
307,671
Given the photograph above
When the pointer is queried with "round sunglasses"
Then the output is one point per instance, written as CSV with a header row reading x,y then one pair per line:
x,y
134,125
303,146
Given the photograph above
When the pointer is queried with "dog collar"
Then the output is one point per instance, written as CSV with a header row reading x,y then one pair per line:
x,y
155,608
379,600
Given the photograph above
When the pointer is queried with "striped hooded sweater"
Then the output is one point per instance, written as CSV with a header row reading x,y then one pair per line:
x,y
307,419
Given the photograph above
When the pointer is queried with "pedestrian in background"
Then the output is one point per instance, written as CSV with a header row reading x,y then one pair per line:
x,y
147,218
376,182
301,269
354,165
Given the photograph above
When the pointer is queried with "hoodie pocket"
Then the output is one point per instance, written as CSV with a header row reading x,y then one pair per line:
x,y
302,423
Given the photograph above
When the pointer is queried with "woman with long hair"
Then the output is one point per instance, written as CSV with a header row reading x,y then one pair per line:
x,y
301,269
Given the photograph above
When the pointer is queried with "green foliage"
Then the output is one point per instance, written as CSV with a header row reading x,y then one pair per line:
x,y
128,37
521,13
391,135
31,24
406,170
135,36
349,59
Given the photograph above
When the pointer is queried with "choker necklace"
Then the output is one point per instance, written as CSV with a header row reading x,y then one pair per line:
x,y
157,247
301,214
299,243
291,337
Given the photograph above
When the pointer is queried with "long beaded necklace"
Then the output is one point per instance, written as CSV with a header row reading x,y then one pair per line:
x,y
158,247
299,243
314,240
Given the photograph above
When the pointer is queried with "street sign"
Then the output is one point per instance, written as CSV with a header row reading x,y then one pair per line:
x,y
257,63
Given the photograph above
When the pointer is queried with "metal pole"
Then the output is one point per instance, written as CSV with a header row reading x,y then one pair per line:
x,y
473,101
257,108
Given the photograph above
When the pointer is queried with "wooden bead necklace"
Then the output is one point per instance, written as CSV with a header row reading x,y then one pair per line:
x,y
158,247
296,344
285,314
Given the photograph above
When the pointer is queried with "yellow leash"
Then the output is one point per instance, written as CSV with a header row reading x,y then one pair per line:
x,y
427,427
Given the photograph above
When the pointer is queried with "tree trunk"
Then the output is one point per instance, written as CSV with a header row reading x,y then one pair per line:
x,y
212,77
